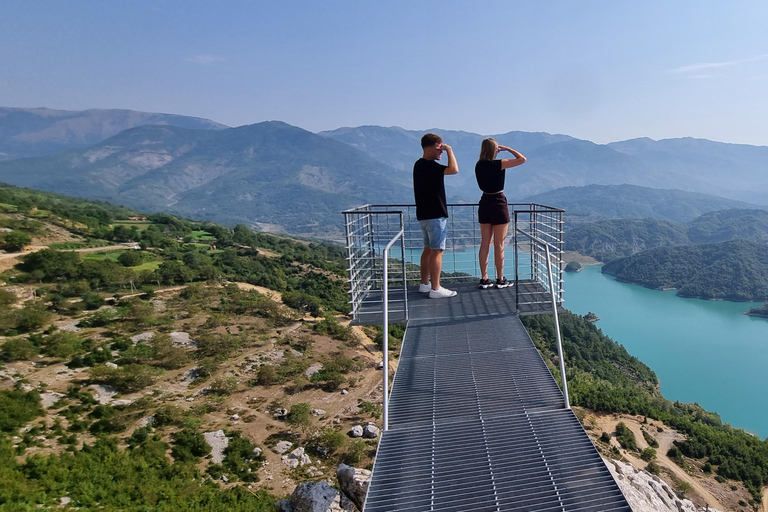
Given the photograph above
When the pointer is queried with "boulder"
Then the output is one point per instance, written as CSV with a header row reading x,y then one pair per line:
x,y
353,483
371,431
218,441
357,431
282,447
296,458
316,497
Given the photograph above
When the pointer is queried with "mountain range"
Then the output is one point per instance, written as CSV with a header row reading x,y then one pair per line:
x,y
269,174
734,171
274,176
30,132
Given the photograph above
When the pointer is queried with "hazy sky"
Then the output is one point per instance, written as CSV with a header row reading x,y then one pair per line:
x,y
598,70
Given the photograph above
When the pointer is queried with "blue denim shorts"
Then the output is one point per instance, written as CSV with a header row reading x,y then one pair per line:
x,y
434,231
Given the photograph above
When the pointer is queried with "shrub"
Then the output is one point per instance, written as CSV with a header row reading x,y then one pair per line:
x,y
129,258
7,298
605,437
303,302
300,416
62,344
18,408
356,451
648,454
126,379
168,415
653,468
18,349
652,442
224,385
626,437
331,327
189,446
240,458
266,375
16,240
330,439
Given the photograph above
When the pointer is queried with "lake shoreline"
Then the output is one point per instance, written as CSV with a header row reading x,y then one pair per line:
x,y
685,342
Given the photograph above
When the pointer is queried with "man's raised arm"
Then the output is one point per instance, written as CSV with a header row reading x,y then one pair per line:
x,y
453,166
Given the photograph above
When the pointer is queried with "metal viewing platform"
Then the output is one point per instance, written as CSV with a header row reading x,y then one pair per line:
x,y
475,420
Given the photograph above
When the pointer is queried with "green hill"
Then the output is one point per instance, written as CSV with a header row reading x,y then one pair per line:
x,y
607,240
244,368
735,270
595,202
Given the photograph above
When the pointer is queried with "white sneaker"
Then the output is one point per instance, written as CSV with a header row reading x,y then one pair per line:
x,y
425,288
442,293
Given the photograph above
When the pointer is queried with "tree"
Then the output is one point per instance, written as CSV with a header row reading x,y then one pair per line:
x,y
129,258
16,240
300,416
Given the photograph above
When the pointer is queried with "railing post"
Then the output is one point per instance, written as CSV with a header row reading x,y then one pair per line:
x,y
385,330
385,342
557,329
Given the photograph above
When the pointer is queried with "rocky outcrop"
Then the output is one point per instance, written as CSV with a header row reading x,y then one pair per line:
x,y
316,497
646,492
353,483
218,442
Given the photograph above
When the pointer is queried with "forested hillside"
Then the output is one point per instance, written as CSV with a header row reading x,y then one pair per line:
x,y
127,341
595,202
735,270
602,376
607,240
133,338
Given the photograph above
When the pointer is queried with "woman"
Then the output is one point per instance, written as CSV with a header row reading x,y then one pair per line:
x,y
493,212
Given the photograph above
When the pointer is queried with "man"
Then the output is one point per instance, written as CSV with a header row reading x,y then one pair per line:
x,y
432,211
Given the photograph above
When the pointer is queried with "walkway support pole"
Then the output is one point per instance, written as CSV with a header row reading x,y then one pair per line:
x,y
557,329
385,327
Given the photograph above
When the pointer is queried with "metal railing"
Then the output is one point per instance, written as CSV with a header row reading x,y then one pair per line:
x,y
372,230
551,288
369,229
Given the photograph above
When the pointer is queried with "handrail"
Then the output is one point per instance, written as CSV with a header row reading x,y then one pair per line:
x,y
385,337
545,245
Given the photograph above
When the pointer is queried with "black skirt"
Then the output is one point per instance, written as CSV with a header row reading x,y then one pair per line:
x,y
493,209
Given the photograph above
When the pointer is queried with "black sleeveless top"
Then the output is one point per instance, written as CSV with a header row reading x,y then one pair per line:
x,y
490,175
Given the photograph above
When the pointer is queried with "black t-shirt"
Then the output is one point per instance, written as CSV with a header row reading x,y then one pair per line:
x,y
429,189
490,175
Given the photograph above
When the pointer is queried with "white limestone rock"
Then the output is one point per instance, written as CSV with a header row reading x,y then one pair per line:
x,y
182,339
371,431
646,492
316,497
282,447
296,458
218,443
357,431
353,483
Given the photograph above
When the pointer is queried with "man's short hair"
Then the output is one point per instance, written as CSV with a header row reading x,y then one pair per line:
x,y
430,139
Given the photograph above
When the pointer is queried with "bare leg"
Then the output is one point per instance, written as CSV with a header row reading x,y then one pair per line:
x,y
426,258
486,233
435,267
499,235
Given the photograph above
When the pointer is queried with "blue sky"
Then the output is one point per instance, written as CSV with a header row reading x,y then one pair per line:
x,y
597,70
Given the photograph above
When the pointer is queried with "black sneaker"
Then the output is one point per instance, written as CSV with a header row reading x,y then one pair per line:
x,y
503,283
485,284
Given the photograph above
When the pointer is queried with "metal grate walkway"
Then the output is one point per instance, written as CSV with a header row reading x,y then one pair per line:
x,y
477,421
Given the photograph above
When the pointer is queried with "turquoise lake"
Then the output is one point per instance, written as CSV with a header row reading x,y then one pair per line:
x,y
706,352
